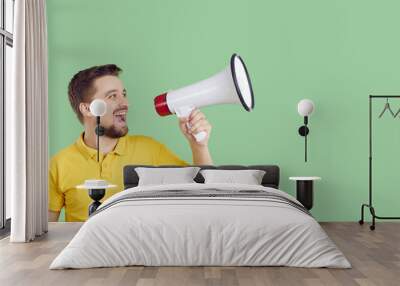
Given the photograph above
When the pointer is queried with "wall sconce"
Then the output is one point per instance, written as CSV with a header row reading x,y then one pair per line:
x,y
305,107
98,108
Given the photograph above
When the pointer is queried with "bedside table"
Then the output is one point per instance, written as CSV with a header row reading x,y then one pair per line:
x,y
304,190
96,192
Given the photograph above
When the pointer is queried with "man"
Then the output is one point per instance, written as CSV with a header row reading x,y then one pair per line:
x,y
78,162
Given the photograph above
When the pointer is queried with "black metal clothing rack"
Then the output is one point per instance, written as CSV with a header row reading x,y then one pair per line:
x,y
369,205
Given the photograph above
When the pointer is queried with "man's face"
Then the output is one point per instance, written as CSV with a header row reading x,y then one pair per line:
x,y
111,89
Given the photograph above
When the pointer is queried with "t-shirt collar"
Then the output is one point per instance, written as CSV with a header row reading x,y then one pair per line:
x,y
89,152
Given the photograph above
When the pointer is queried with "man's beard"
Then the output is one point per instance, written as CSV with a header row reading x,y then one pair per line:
x,y
113,132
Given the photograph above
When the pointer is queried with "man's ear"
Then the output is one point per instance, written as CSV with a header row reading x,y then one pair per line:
x,y
85,110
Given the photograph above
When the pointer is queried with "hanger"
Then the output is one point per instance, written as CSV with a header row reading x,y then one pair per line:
x,y
397,113
387,107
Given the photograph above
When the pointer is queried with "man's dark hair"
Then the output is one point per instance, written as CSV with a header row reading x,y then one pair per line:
x,y
81,87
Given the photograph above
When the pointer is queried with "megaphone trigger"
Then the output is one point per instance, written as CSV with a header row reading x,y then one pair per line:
x,y
183,111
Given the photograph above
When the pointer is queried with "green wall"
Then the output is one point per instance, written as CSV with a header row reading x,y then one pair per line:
x,y
333,52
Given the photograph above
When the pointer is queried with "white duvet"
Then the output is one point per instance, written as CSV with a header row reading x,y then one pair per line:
x,y
200,231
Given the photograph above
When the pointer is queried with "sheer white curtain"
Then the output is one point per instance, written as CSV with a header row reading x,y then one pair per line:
x,y
26,123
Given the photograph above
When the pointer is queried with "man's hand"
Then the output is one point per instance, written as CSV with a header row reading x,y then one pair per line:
x,y
195,123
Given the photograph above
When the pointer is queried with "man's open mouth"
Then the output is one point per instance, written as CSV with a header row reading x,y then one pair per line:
x,y
120,116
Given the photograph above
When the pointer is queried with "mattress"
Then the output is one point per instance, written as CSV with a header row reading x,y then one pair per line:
x,y
201,225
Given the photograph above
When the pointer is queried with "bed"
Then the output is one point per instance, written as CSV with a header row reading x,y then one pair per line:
x,y
198,224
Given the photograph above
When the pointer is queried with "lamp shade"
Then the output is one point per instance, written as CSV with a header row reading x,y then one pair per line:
x,y
98,107
305,107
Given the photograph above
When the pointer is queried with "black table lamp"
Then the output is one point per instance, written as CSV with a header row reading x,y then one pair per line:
x,y
97,188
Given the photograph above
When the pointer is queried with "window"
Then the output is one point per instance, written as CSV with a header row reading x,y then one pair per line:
x,y
6,63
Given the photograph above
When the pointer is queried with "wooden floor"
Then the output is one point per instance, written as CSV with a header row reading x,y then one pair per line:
x,y
375,257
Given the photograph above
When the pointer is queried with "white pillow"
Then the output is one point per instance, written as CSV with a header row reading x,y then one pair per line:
x,y
162,176
248,177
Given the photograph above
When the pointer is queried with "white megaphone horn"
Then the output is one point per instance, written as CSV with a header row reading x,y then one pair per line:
x,y
232,85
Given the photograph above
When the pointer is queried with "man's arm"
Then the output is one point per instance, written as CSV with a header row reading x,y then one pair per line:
x,y
53,216
56,197
201,155
197,122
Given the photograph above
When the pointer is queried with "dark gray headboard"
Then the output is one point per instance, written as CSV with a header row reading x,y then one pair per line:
x,y
271,177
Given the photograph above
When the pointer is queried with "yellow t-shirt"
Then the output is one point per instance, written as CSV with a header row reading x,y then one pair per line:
x,y
78,162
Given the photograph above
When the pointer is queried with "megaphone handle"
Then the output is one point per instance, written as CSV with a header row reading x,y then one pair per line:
x,y
200,136
185,112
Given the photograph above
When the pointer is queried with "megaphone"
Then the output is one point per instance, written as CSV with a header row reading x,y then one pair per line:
x,y
230,86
